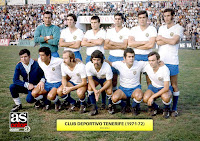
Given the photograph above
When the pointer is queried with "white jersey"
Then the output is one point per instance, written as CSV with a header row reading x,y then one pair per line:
x,y
52,72
158,78
169,53
145,35
71,37
101,34
76,74
117,37
129,77
105,71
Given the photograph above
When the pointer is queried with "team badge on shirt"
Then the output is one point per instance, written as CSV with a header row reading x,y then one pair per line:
x,y
171,34
134,72
160,78
74,37
120,37
147,34
78,74
53,69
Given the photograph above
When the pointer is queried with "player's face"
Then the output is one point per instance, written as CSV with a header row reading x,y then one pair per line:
x,y
66,58
47,19
153,61
129,58
142,19
118,21
168,17
24,58
44,57
97,63
70,21
95,24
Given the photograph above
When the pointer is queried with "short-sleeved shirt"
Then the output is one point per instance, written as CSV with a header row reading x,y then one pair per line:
x,y
129,77
169,53
52,72
104,73
141,35
77,35
101,34
76,75
117,37
158,78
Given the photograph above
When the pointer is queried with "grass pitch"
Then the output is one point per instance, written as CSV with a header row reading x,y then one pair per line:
x,y
43,124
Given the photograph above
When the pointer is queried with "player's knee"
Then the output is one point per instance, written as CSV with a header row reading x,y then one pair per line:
x,y
30,99
12,87
115,98
34,93
145,99
108,91
59,92
80,94
50,97
138,96
166,98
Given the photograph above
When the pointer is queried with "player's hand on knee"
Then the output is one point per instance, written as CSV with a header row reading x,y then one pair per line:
x,y
41,85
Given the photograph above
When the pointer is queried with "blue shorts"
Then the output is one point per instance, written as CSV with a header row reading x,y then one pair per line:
x,y
100,81
55,54
114,59
78,55
141,57
49,86
174,70
129,91
155,90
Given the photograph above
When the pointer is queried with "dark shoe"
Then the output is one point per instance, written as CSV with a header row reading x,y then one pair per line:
x,y
111,109
153,112
57,106
37,104
72,107
174,114
123,111
128,109
78,104
103,106
82,109
94,111
16,108
136,111
166,113
64,104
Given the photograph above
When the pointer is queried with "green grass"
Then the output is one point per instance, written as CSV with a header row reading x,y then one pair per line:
x,y
43,124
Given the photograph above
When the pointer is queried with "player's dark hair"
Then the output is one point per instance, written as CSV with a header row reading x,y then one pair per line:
x,y
121,15
170,10
141,12
71,55
97,54
128,50
23,51
46,51
154,53
96,18
73,16
48,12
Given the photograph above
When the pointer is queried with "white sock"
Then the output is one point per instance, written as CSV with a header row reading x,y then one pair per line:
x,y
39,97
90,92
55,100
17,101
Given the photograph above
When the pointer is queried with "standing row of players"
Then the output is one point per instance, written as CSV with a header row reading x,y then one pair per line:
x,y
141,38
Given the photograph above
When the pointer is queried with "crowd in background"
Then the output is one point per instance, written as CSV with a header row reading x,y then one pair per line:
x,y
20,22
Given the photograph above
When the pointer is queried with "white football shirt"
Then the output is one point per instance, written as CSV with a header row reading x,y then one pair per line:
x,y
70,37
76,74
169,53
52,72
158,78
145,35
129,77
117,37
105,71
101,34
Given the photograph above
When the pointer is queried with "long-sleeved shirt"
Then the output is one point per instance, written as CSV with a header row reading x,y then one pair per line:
x,y
43,31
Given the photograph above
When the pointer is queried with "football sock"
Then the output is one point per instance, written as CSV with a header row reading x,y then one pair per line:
x,y
103,95
17,101
175,100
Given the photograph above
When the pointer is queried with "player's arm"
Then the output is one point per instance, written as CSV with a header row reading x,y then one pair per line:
x,y
106,86
83,83
85,42
110,45
97,42
37,36
149,44
91,82
54,39
170,41
64,81
135,44
62,43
